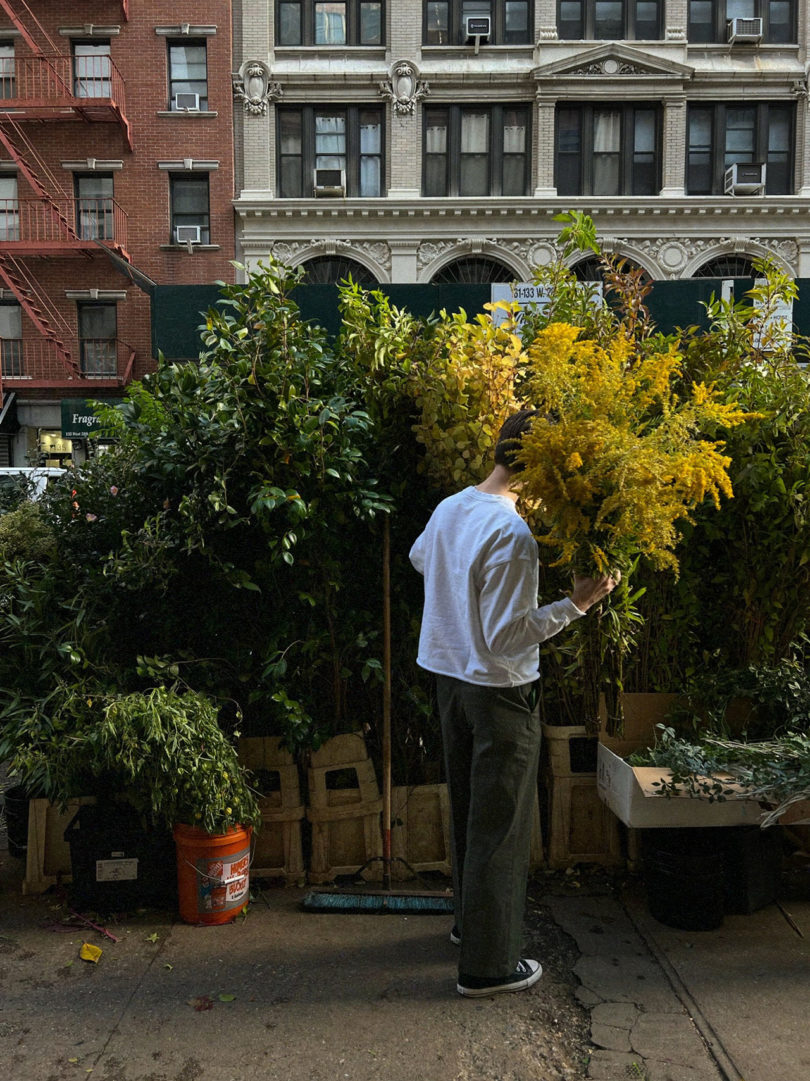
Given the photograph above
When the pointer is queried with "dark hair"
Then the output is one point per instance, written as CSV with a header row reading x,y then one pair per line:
x,y
510,436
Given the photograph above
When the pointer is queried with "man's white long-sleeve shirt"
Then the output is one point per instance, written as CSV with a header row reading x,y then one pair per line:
x,y
481,622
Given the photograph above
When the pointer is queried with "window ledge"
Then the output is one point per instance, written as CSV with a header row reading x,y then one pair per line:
x,y
195,247
331,51
184,114
743,48
525,47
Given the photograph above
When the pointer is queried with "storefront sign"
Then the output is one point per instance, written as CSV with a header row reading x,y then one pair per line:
x,y
78,418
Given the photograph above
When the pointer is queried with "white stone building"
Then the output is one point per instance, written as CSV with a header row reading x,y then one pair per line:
x,y
435,140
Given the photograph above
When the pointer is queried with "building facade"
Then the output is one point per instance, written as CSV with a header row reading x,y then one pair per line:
x,y
116,172
436,140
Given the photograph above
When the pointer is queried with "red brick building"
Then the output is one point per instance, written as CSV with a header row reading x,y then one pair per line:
x,y
116,172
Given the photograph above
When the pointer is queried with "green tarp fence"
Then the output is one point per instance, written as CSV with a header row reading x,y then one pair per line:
x,y
178,310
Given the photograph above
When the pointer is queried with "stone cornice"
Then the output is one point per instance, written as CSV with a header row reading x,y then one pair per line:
x,y
709,207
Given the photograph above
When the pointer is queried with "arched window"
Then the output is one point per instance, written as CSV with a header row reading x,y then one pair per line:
x,y
473,270
727,266
330,269
590,268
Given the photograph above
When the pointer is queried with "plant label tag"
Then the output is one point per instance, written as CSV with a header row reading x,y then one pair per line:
x,y
117,870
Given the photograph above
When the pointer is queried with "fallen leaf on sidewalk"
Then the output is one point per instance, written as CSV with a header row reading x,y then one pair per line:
x,y
90,953
226,997
201,1002
154,937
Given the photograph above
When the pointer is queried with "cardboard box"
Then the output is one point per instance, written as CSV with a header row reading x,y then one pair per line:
x,y
630,792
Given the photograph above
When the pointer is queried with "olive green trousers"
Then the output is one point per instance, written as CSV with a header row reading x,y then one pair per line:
x,y
492,747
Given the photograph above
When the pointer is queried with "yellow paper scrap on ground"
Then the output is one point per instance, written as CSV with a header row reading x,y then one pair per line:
x,y
89,953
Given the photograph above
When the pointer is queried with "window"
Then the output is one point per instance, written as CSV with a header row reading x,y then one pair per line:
x,y
190,208
476,150
7,84
91,69
94,205
720,135
709,19
188,75
445,21
590,270
9,208
98,330
727,266
611,150
314,22
473,270
609,20
329,149
330,269
10,338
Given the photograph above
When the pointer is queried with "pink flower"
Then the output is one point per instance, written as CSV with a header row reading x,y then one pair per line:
x,y
114,490
91,517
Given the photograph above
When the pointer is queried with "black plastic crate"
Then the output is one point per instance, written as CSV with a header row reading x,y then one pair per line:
x,y
117,863
753,867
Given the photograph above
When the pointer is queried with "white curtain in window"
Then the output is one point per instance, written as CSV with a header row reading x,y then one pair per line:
x,y
474,133
606,144
9,209
370,138
369,177
607,129
10,321
436,139
330,142
6,71
514,139
92,70
330,24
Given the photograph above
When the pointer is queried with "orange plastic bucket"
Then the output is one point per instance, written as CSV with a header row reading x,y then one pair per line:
x,y
213,873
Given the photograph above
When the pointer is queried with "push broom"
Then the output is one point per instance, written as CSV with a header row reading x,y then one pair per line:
x,y
385,900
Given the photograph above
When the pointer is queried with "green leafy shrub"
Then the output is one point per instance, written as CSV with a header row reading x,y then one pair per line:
x,y
24,534
162,751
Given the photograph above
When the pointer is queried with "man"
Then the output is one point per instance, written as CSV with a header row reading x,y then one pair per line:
x,y
481,627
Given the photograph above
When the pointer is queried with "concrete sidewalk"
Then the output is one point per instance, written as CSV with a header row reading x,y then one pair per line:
x,y
294,996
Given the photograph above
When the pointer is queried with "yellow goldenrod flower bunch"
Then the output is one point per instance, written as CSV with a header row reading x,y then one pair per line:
x,y
464,393
621,454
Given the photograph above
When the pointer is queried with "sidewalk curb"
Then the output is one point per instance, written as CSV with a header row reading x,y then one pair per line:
x,y
714,1044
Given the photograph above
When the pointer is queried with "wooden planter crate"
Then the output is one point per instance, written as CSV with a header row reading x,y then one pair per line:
x,y
47,858
420,829
345,820
580,828
277,851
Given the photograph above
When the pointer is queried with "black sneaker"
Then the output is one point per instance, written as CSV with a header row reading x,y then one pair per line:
x,y
527,973
455,935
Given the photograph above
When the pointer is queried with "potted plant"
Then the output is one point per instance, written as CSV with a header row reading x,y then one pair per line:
x,y
746,728
162,752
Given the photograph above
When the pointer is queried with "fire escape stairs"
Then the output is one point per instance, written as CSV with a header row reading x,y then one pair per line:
x,y
25,160
45,317
31,29
35,35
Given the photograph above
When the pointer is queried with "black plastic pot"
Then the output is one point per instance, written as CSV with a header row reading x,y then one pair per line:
x,y
684,877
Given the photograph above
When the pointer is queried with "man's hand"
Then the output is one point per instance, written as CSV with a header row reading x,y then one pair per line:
x,y
589,591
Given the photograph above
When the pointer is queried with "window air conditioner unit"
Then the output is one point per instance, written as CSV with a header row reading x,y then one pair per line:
x,y
744,30
187,234
187,103
743,178
330,182
478,26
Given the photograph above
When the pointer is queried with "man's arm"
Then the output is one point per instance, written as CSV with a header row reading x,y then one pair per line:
x,y
510,617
